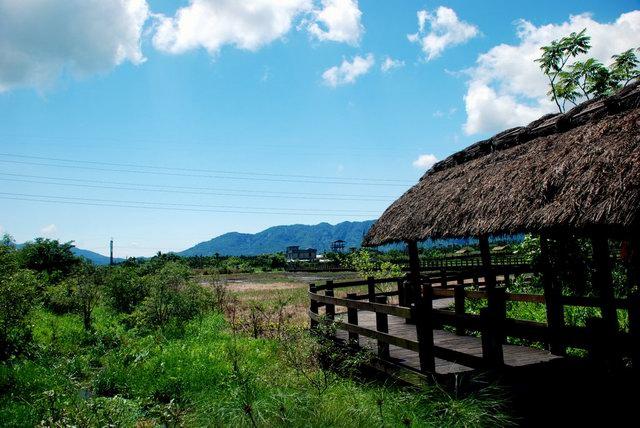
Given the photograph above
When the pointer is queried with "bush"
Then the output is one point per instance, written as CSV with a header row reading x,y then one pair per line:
x,y
48,257
124,289
17,299
173,298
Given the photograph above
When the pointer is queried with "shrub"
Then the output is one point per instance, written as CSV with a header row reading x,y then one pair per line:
x,y
17,299
124,289
77,293
173,298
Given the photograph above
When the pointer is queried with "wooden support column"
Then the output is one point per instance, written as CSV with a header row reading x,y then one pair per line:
x,y
634,330
494,314
603,282
553,299
313,306
352,318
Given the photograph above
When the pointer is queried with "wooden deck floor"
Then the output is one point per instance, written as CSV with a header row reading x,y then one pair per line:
x,y
514,356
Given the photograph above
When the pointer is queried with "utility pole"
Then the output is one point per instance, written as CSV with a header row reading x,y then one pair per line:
x,y
111,252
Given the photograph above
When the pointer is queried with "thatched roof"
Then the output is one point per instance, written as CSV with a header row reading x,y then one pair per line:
x,y
574,170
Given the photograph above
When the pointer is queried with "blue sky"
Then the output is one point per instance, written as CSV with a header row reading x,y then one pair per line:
x,y
216,127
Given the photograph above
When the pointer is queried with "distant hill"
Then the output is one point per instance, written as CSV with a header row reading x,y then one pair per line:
x,y
96,258
277,238
93,257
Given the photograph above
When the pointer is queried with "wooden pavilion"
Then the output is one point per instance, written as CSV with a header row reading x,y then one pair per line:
x,y
575,174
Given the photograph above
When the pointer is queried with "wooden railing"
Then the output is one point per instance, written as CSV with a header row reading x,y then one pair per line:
x,y
492,322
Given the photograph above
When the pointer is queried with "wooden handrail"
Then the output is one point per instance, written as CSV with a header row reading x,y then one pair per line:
x,y
384,308
359,283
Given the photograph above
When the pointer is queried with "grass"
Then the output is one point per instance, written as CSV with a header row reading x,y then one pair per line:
x,y
205,375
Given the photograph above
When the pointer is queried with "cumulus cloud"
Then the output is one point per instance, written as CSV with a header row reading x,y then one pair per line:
x,y
507,88
49,230
425,161
212,24
252,24
389,64
440,30
40,40
337,21
348,72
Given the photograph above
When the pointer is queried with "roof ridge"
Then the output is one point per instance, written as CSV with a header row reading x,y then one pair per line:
x,y
626,98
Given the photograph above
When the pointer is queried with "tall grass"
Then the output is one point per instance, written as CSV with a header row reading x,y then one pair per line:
x,y
202,375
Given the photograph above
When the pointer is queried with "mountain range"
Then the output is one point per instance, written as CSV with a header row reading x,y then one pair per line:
x,y
277,238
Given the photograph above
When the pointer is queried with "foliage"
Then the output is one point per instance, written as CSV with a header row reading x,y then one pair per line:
x,y
17,299
367,264
124,288
173,298
583,79
49,257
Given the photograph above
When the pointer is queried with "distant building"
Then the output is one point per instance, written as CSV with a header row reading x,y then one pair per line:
x,y
295,253
337,246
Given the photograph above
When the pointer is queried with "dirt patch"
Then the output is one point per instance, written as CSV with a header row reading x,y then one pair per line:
x,y
240,286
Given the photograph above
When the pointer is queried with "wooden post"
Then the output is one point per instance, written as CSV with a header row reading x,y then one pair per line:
x,y
313,306
352,318
401,292
459,296
492,338
414,271
634,330
598,352
382,325
603,282
421,313
553,300
485,255
371,288
330,307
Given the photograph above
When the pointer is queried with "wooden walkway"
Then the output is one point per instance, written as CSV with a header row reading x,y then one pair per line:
x,y
514,356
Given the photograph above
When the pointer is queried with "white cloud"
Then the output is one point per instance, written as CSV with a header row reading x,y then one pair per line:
x,y
1,230
211,24
444,30
49,230
389,64
41,39
337,21
507,88
348,72
425,161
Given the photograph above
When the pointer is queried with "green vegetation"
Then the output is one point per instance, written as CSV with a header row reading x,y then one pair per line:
x,y
584,79
146,345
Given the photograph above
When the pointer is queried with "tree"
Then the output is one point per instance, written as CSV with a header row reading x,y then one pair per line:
x,y
556,55
49,256
583,79
625,67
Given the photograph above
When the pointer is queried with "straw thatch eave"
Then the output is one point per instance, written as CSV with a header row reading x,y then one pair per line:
x,y
574,171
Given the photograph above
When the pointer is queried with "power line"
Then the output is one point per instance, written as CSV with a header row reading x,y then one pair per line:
x,y
163,204
199,176
174,209
163,188
344,180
